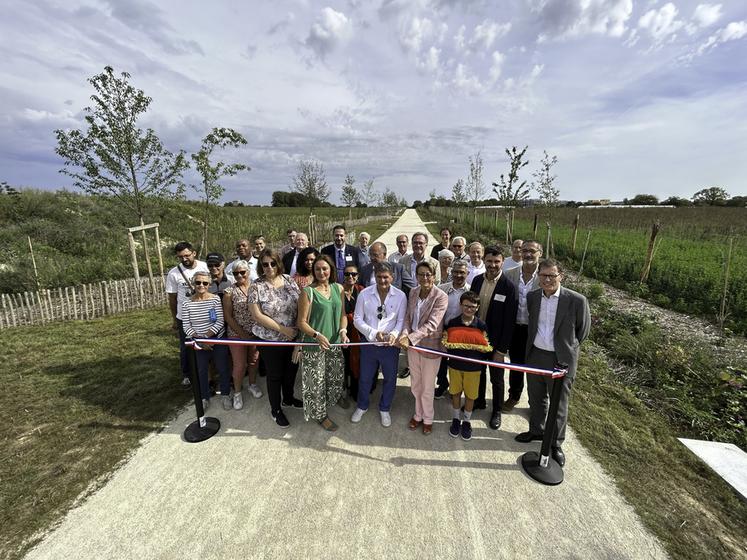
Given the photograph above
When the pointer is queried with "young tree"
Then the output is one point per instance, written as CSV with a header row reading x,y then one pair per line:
x,y
389,198
113,156
544,181
458,194
474,189
350,194
211,190
712,196
311,182
509,190
368,194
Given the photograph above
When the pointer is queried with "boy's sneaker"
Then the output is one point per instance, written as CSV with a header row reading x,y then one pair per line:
x,y
280,419
238,401
255,391
227,402
455,427
295,403
466,431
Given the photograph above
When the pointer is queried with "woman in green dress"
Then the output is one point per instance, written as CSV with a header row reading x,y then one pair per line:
x,y
322,319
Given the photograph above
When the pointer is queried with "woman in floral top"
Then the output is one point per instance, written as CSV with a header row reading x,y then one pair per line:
x,y
273,302
240,323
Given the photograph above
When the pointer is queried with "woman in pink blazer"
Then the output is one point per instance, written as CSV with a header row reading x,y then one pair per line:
x,y
426,307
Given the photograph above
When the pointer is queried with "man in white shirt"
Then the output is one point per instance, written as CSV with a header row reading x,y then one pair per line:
x,y
559,321
178,289
525,280
401,251
515,260
476,264
454,290
379,317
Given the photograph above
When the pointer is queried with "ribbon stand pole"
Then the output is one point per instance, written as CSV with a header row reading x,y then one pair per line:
x,y
204,427
542,467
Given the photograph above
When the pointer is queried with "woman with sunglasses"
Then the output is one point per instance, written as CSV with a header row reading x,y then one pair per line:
x,y
322,319
273,303
202,317
240,323
350,291
304,274
426,307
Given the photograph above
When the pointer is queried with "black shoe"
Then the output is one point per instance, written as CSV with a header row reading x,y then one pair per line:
x,y
280,419
479,404
558,455
404,374
440,391
526,437
466,430
295,403
495,420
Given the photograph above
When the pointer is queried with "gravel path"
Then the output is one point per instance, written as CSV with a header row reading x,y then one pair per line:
x,y
256,491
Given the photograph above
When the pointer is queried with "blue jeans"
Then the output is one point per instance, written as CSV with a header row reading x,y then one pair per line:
x,y
219,356
371,358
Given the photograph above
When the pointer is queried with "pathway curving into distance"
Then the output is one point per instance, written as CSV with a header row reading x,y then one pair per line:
x,y
255,490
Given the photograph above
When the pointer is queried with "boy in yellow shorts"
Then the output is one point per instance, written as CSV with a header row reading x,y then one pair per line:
x,y
465,336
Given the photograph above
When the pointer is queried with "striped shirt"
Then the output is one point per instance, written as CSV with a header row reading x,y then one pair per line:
x,y
203,319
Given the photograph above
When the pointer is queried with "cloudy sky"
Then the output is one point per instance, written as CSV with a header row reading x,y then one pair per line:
x,y
631,96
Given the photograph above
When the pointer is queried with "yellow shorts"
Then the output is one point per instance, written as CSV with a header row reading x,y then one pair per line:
x,y
467,381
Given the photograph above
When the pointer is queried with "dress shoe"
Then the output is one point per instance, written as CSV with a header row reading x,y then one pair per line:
x,y
510,403
413,425
439,393
427,429
405,373
495,420
526,437
558,455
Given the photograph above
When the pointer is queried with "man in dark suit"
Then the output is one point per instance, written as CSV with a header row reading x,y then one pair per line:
x,y
290,259
498,309
559,321
377,253
341,253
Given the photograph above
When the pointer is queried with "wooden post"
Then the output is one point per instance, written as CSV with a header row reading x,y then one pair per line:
x,y
85,302
133,254
655,227
508,227
575,233
495,227
534,228
160,256
12,311
147,253
42,309
70,313
62,303
548,248
104,295
513,214
51,304
583,257
474,219
722,312
33,262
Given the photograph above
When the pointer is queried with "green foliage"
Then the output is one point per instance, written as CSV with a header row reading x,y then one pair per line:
x,y
712,196
311,182
642,200
509,189
349,196
544,181
114,157
458,193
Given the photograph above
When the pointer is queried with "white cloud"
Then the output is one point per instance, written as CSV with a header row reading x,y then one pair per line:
x,y
487,32
706,15
497,66
415,33
562,19
466,82
328,31
459,42
732,32
661,24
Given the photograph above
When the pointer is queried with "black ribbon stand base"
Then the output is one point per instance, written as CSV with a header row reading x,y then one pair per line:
x,y
204,427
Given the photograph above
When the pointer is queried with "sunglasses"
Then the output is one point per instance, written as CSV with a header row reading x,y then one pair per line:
x,y
351,274
269,264
198,283
240,272
380,312
214,265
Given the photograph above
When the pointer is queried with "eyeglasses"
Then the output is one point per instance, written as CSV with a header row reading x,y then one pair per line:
x,y
380,312
351,274
214,265
549,276
198,283
240,272
266,264
424,275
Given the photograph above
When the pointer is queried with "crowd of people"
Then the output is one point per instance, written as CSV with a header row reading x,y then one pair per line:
x,y
303,308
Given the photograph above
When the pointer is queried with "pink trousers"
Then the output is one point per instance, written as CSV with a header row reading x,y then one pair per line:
x,y
423,373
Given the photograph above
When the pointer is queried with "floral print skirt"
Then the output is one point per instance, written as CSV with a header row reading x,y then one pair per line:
x,y
322,377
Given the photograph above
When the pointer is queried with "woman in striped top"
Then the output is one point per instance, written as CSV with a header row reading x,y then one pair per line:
x,y
202,317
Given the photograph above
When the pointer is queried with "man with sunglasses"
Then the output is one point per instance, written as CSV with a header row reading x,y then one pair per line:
x,y
379,317
178,290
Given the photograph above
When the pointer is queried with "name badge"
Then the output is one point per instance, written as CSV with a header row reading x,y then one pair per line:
x,y
499,297
348,258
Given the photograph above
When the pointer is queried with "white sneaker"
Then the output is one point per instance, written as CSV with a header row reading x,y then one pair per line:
x,y
205,404
386,419
357,415
238,401
255,391
186,383
226,401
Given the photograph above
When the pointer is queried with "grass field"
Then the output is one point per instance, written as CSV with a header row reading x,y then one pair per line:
x,y
688,268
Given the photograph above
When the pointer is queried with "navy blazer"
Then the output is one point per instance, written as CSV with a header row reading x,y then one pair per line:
x,y
501,314
365,273
350,251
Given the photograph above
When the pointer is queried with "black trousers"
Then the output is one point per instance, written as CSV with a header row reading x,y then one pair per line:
x,y
540,388
498,384
517,352
281,374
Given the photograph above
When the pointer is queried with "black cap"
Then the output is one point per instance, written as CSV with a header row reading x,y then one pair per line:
x,y
215,258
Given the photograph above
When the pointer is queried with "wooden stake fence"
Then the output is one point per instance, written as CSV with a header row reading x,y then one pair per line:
x,y
88,301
